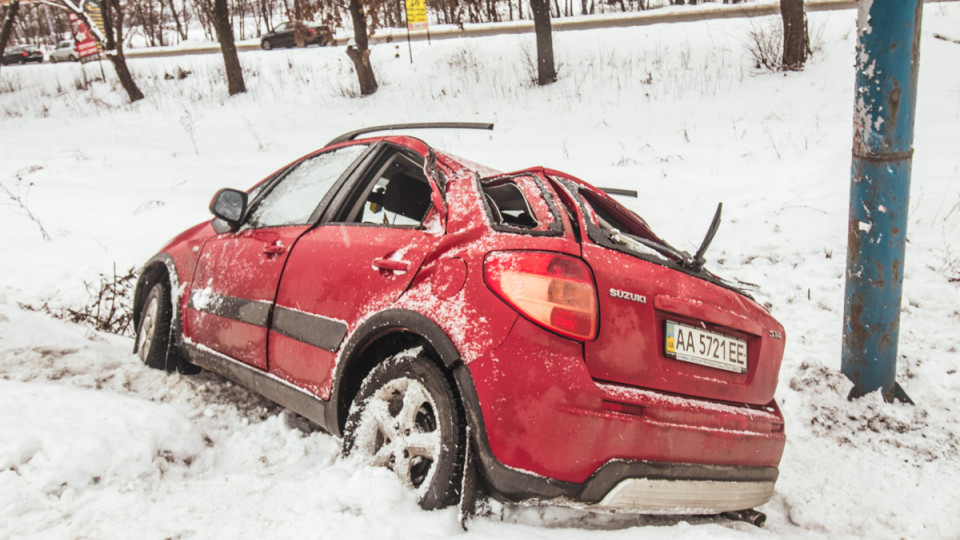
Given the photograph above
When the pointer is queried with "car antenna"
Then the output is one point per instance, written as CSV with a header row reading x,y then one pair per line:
x,y
697,261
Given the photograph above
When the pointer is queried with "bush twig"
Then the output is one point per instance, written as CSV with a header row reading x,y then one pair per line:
x,y
109,306
20,196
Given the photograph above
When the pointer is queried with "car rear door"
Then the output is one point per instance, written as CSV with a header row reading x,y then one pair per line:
x,y
236,279
356,263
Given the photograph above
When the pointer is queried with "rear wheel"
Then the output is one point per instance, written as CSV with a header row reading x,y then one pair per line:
x,y
406,418
153,333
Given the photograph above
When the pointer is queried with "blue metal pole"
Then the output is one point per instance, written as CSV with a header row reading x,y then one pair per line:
x,y
888,50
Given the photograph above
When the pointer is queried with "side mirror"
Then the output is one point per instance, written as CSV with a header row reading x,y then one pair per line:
x,y
229,205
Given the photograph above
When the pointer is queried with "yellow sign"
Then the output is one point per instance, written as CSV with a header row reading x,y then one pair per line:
x,y
416,14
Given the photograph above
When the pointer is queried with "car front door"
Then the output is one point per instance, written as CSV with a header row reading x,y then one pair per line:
x,y
235,282
356,263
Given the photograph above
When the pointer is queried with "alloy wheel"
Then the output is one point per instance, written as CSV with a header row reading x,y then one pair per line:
x,y
399,429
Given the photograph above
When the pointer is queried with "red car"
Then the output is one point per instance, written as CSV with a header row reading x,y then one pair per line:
x,y
442,316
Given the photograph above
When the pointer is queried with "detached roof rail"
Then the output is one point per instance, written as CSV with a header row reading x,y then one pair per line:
x,y
351,135
622,192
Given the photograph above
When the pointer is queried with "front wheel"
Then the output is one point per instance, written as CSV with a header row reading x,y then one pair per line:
x,y
266,45
406,418
153,333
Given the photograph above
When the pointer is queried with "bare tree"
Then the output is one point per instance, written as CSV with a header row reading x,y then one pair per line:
x,y
12,10
218,14
221,20
113,24
796,42
360,53
546,72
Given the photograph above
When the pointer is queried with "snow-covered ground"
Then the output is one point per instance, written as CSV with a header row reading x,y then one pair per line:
x,y
94,445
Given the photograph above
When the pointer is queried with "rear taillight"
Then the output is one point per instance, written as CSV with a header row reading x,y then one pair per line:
x,y
311,31
24,54
553,290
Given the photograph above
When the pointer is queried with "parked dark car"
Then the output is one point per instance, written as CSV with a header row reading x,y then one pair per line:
x,y
445,317
21,54
283,35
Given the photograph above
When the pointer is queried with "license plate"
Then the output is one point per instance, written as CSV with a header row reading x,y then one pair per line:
x,y
698,346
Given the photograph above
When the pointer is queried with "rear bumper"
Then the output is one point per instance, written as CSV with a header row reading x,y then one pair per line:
x,y
621,485
544,429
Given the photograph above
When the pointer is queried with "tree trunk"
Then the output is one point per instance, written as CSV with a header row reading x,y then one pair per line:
x,y
203,11
12,10
796,42
221,21
546,72
360,54
113,24
176,21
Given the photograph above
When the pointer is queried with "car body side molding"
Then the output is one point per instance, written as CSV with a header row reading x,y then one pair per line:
x,y
316,330
309,328
255,312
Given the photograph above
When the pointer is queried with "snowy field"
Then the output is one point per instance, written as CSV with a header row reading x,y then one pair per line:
x,y
95,445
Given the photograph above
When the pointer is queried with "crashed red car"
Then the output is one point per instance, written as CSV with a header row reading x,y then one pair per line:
x,y
443,317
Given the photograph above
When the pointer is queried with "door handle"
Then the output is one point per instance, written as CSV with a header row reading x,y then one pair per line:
x,y
275,249
391,265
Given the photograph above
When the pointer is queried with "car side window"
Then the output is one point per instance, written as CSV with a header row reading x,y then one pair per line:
x,y
398,195
293,199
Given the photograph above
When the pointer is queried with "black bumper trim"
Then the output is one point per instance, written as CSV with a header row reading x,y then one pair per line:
x,y
503,481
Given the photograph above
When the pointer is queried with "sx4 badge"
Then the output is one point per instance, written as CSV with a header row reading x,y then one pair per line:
x,y
633,297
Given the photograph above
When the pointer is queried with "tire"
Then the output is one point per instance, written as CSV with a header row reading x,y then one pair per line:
x,y
153,333
266,45
406,418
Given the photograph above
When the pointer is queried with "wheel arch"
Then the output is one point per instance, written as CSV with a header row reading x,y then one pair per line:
x,y
383,334
160,267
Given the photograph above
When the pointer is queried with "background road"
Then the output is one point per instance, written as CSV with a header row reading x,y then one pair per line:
x,y
658,16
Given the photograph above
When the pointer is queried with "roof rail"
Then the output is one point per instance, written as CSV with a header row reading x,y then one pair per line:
x,y
622,192
349,136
